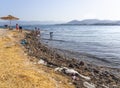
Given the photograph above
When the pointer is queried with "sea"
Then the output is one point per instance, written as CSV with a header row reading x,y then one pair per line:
x,y
98,45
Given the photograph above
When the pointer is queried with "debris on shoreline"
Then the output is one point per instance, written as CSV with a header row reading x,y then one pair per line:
x,y
17,70
71,72
82,75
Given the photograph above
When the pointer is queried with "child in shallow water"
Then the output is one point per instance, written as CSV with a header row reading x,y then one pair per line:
x,y
51,35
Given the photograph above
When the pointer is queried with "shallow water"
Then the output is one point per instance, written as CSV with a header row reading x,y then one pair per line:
x,y
101,44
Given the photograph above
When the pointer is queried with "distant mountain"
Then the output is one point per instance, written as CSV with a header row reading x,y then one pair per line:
x,y
73,22
93,22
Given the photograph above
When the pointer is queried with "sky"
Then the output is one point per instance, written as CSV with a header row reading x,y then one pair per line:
x,y
61,10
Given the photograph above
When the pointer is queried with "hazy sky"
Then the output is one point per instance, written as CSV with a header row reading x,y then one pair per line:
x,y
61,10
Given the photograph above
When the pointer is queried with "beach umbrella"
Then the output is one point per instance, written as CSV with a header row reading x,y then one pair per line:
x,y
10,18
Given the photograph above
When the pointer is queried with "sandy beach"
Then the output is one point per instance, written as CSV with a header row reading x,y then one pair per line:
x,y
18,70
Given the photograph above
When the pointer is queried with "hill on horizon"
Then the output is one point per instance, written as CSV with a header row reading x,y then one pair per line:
x,y
93,22
73,22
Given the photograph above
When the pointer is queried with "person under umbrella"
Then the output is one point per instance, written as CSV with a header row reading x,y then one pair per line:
x,y
10,18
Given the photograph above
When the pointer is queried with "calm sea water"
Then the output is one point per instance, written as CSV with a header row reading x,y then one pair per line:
x,y
101,44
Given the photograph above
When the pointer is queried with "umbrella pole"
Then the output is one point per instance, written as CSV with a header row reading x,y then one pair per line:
x,y
10,25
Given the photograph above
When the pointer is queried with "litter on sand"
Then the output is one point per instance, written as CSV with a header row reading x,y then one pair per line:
x,y
71,71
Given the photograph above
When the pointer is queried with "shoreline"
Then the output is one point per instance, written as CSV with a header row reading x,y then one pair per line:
x,y
99,76
18,70
85,56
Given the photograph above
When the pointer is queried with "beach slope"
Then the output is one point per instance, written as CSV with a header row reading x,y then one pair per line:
x,y
16,69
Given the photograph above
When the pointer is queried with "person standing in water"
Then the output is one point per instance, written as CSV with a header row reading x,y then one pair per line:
x,y
38,32
35,31
51,35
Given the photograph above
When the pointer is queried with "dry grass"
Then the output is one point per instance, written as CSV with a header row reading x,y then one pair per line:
x,y
16,71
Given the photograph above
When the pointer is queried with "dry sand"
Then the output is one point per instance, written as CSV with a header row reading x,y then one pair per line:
x,y
16,69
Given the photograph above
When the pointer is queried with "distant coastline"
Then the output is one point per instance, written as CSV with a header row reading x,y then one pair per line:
x,y
94,22
72,22
89,24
